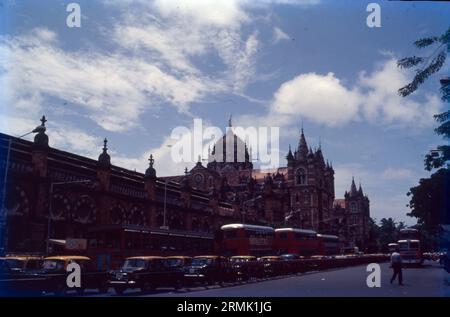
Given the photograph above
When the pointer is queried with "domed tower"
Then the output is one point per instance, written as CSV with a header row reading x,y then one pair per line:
x,y
104,160
230,157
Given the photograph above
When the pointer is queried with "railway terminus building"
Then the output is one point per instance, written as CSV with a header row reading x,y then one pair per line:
x,y
53,197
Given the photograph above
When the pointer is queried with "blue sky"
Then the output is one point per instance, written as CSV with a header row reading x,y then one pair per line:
x,y
137,69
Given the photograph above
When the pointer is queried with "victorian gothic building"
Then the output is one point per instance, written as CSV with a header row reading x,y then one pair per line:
x,y
53,195
301,194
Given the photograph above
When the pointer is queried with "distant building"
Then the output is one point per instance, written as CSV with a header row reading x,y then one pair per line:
x,y
353,213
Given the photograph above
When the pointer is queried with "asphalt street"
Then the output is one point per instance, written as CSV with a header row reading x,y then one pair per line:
x,y
428,280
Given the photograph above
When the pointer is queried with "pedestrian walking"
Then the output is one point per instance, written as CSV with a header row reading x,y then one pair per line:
x,y
396,265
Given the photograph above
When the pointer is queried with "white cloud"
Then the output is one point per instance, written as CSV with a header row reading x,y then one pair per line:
x,y
381,100
113,89
319,98
326,100
179,32
165,165
279,35
61,136
205,13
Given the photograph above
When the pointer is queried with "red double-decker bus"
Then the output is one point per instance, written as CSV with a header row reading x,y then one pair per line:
x,y
329,244
410,247
242,239
299,241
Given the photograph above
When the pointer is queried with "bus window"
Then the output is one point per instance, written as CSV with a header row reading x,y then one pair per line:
x,y
403,246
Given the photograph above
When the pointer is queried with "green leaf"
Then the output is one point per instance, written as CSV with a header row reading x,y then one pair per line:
x,y
409,62
426,41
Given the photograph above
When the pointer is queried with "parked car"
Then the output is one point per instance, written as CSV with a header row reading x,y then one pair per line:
x,y
54,272
272,265
145,273
178,262
245,267
209,269
17,277
22,263
293,263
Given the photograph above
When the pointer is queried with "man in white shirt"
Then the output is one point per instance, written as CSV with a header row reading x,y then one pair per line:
x,y
396,264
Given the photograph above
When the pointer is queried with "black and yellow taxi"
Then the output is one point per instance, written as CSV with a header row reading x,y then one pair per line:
x,y
145,273
55,271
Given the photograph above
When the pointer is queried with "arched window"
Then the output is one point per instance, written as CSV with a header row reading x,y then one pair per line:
x,y
301,177
353,207
198,179
117,214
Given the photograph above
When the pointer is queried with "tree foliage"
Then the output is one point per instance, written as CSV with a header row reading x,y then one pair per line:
x,y
430,201
429,65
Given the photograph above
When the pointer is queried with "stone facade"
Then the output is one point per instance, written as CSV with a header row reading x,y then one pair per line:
x,y
79,194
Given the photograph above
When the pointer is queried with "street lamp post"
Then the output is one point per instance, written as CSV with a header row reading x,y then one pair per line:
x,y
50,211
4,216
164,226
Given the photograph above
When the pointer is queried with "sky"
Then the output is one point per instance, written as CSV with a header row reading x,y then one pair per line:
x,y
135,70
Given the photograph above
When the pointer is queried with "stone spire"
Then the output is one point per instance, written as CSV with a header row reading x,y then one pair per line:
x,y
353,191
289,156
302,150
360,191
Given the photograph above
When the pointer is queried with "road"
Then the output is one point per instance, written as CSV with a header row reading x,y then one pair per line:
x,y
428,280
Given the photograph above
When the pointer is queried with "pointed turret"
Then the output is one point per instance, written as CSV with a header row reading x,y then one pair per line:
x,y
353,191
360,191
319,155
302,150
289,156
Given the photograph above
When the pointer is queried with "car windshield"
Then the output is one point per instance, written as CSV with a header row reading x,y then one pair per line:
x,y
53,265
240,260
201,261
268,259
174,262
3,266
289,256
134,263
15,263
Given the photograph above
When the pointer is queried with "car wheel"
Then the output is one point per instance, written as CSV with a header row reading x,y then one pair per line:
x,y
103,289
146,287
60,290
179,284
119,290
80,291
